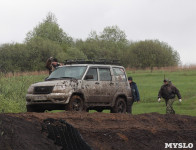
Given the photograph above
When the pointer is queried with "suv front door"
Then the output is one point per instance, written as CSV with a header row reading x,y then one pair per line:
x,y
91,87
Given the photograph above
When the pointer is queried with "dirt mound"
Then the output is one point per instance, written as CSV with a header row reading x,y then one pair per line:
x,y
100,131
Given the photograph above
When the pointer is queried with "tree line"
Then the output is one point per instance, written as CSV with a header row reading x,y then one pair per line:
x,y
48,39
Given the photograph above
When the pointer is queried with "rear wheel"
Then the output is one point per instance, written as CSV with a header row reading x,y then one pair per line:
x,y
120,106
76,103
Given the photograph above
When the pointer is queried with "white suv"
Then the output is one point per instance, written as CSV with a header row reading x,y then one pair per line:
x,y
80,87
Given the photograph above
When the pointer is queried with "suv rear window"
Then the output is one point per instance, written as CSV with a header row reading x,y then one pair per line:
x,y
105,74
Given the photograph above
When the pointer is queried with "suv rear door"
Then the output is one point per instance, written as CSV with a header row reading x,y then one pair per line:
x,y
107,85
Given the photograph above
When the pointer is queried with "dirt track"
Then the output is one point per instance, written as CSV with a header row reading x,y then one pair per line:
x,y
101,131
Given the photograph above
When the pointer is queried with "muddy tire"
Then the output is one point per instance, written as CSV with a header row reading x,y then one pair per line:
x,y
76,103
120,106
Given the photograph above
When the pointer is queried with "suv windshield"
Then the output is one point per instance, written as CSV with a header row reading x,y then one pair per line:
x,y
75,72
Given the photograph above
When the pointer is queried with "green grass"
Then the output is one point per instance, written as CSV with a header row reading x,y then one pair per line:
x,y
150,83
13,91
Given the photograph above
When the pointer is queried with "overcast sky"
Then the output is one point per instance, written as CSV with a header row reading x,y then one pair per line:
x,y
171,21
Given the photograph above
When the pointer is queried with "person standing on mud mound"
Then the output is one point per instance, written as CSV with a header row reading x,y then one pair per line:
x,y
168,92
135,94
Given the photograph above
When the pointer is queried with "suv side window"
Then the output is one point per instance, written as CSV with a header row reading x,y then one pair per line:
x,y
119,74
93,71
105,74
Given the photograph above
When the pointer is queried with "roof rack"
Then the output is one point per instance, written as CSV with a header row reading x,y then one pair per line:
x,y
99,61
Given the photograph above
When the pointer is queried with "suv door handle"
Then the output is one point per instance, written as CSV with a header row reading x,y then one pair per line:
x,y
96,82
111,83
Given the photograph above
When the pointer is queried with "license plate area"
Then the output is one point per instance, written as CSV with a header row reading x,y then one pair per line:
x,y
39,98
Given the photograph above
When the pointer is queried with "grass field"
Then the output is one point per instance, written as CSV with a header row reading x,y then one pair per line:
x,y
149,84
14,88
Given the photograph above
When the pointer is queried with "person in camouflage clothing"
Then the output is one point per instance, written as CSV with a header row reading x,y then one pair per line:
x,y
168,92
52,64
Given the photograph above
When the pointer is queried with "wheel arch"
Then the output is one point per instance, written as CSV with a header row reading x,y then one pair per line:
x,y
120,95
79,94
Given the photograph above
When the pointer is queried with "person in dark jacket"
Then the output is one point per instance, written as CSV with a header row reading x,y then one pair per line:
x,y
168,92
135,94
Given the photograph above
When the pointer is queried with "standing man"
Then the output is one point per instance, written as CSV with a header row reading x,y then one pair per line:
x,y
168,92
49,65
135,94
52,64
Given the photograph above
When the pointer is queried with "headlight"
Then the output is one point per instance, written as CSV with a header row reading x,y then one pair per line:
x,y
30,90
59,89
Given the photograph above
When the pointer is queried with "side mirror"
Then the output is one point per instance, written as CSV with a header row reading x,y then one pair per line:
x,y
89,77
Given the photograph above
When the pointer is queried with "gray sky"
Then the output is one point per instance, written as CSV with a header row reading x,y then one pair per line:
x,y
171,21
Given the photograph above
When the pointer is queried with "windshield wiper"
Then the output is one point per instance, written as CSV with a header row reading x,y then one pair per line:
x,y
48,79
67,78
60,78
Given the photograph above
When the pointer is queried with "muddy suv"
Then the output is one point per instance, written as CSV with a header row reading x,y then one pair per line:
x,y
80,87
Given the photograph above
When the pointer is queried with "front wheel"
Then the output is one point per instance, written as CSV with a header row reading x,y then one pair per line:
x,y
76,103
120,106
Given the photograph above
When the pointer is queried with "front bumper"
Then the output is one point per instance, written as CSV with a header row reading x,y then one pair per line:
x,y
53,98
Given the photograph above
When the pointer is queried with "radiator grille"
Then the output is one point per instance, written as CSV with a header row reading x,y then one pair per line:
x,y
43,89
